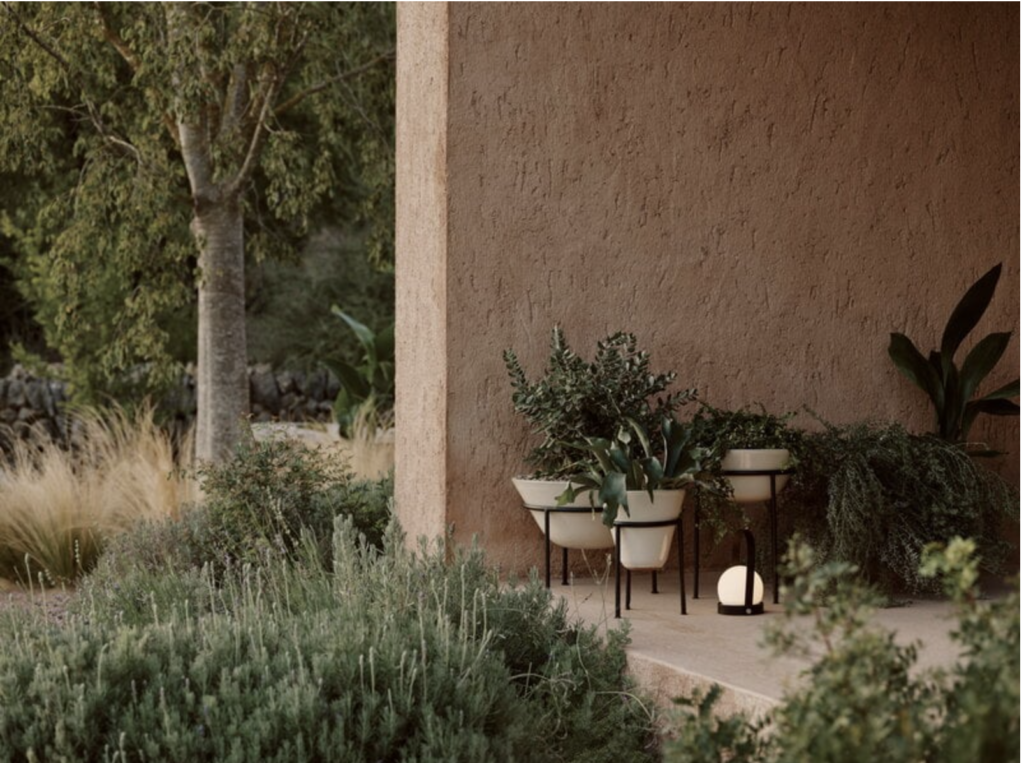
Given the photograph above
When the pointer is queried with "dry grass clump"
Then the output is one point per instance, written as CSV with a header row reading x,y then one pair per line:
x,y
59,504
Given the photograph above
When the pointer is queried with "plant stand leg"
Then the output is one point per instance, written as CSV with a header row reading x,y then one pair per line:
x,y
618,573
773,518
629,589
565,566
654,581
547,549
696,545
682,582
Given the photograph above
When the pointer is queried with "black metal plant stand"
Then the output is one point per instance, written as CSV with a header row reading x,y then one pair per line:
x,y
547,538
773,524
678,522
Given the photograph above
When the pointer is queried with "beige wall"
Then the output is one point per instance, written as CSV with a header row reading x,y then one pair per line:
x,y
760,192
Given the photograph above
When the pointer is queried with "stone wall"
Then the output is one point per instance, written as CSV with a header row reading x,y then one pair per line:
x,y
27,400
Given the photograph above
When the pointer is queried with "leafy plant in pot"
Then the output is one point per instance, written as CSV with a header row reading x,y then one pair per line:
x,y
638,489
949,388
746,440
577,399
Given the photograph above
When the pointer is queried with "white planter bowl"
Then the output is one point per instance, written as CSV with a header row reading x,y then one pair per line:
x,y
582,529
647,548
758,488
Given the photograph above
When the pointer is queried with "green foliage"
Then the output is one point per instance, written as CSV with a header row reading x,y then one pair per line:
x,y
94,99
286,323
981,708
703,735
262,500
575,399
863,700
951,389
719,430
369,387
875,495
387,656
613,471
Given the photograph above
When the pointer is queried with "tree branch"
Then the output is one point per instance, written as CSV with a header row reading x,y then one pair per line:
x,y
298,98
37,39
259,133
91,110
115,39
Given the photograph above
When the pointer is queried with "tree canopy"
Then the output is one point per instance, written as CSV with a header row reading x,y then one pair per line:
x,y
126,124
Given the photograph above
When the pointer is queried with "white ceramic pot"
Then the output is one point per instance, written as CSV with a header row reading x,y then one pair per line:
x,y
647,548
582,529
756,488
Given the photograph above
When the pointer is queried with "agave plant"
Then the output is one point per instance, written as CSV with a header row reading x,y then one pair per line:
x,y
614,470
951,388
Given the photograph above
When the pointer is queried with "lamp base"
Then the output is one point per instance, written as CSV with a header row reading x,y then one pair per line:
x,y
732,609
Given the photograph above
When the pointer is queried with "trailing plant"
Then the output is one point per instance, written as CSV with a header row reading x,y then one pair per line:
x,y
863,698
613,471
718,430
874,495
950,388
367,389
576,399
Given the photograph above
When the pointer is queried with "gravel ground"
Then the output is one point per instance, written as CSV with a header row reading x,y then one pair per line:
x,y
53,603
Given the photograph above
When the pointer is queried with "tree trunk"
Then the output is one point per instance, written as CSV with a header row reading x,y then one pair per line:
x,y
222,382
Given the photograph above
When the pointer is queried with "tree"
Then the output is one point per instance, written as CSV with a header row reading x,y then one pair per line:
x,y
163,140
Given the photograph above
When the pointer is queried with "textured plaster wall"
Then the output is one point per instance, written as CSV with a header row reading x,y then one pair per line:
x,y
760,192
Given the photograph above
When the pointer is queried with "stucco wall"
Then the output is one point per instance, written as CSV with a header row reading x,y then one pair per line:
x,y
760,192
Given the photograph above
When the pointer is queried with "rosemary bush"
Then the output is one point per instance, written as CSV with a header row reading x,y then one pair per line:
x,y
387,656
576,399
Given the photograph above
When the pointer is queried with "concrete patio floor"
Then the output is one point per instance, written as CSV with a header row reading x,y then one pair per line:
x,y
670,653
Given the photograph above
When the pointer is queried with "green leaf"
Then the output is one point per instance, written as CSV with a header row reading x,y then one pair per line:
x,y
641,435
951,416
620,459
912,364
350,378
363,333
1007,390
386,342
654,472
980,361
612,495
968,311
995,407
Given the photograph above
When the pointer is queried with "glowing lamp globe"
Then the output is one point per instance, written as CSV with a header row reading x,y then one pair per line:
x,y
740,589
732,593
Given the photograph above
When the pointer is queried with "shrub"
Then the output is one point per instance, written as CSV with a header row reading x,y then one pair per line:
x,y
862,700
388,656
575,399
162,565
875,495
60,503
260,501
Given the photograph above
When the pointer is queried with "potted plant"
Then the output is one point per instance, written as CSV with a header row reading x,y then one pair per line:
x,y
575,399
952,389
746,440
631,489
